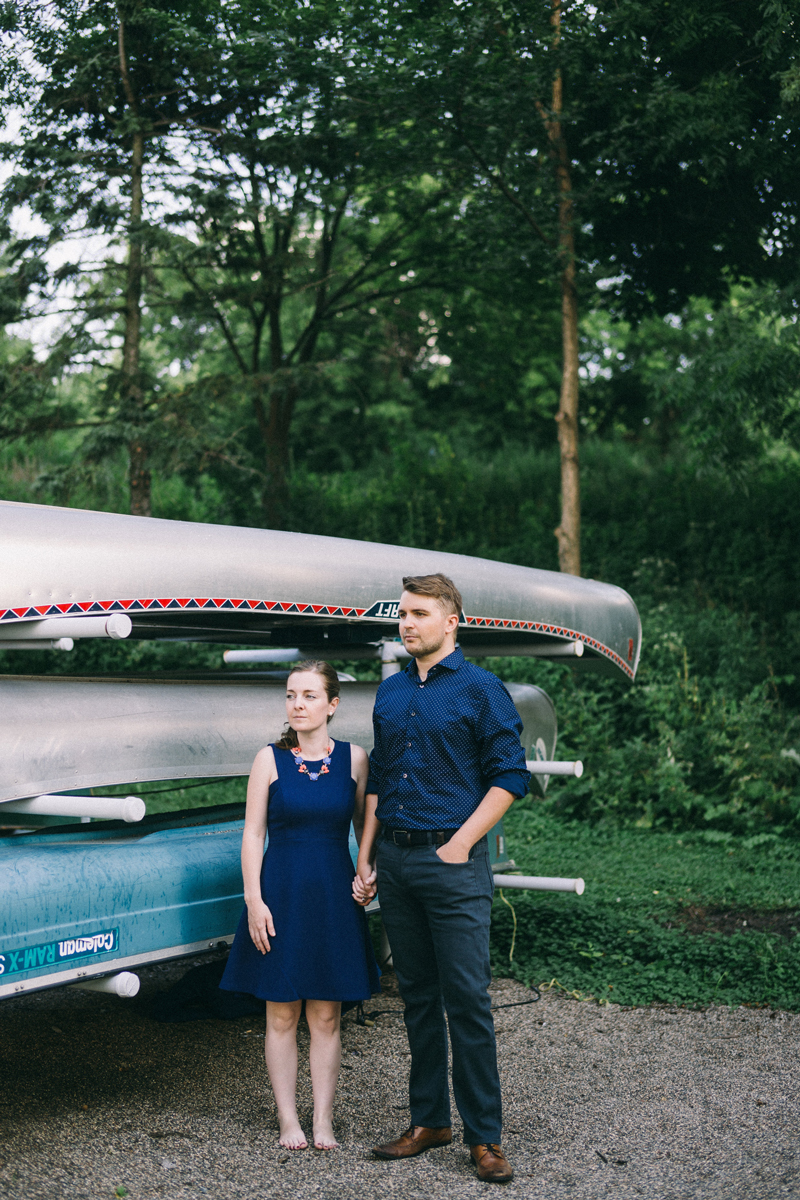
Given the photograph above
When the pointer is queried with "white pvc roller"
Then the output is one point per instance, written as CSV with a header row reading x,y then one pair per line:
x,y
104,808
64,643
117,625
526,650
558,650
388,652
125,984
393,652
540,883
262,656
555,768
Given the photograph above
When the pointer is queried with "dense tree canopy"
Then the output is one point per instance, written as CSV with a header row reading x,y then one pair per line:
x,y
302,235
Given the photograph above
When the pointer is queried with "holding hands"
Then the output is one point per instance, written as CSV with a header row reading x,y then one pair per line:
x,y
364,884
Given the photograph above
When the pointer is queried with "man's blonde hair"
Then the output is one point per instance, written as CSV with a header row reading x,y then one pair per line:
x,y
438,586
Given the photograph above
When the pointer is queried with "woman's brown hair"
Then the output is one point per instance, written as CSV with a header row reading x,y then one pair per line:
x,y
330,681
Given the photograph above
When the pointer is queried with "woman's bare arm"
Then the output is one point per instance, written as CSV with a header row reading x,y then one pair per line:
x,y
359,770
259,918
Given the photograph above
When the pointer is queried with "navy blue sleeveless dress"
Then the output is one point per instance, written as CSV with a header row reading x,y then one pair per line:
x,y
322,948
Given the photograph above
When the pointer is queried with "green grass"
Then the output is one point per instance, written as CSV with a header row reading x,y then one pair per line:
x,y
626,940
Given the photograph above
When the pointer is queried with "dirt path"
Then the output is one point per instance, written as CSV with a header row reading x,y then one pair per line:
x,y
659,1103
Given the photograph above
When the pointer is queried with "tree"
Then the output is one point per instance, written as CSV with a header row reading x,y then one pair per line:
x,y
718,382
641,140
289,227
287,205
102,88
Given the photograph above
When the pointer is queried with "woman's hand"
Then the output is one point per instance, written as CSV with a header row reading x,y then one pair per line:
x,y
364,883
260,923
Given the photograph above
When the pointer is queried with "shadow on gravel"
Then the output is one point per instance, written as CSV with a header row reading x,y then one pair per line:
x,y
67,1050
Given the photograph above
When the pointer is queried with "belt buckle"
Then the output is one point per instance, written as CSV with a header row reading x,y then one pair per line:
x,y
401,833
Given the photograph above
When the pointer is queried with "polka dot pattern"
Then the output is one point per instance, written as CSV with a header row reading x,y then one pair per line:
x,y
442,743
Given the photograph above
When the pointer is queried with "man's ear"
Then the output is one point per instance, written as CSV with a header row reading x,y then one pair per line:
x,y
452,622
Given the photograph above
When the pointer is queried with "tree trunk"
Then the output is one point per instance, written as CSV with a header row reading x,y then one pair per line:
x,y
276,493
274,421
132,397
569,529
276,489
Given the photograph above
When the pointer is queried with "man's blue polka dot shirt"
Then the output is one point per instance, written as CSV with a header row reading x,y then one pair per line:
x,y
442,743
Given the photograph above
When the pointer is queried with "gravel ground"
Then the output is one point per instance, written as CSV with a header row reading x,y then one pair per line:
x,y
662,1103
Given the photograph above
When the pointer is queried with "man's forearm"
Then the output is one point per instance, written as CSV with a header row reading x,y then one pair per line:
x,y
491,809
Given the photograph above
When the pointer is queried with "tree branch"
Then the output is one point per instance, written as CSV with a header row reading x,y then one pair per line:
x,y
502,186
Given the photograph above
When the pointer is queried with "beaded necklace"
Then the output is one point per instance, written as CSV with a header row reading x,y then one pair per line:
x,y
303,769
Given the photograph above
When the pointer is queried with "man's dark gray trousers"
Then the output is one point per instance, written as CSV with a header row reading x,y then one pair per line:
x,y
437,918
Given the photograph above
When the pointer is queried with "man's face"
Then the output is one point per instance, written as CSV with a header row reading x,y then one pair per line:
x,y
424,624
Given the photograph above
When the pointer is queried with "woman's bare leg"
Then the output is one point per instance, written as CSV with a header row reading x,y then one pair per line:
x,y
325,1056
280,1052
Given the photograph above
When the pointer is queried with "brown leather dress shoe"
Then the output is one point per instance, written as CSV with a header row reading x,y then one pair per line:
x,y
491,1164
415,1139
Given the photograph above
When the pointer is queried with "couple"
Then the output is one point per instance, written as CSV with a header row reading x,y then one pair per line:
x,y
447,763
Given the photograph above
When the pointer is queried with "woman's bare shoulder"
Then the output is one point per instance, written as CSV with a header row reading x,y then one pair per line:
x,y
358,755
264,761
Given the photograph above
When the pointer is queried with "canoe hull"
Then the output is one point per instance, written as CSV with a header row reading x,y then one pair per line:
x,y
60,734
260,586
87,903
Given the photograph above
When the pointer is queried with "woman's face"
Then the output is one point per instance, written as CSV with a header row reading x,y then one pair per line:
x,y
307,703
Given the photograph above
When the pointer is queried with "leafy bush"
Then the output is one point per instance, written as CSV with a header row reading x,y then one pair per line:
x,y
685,747
626,939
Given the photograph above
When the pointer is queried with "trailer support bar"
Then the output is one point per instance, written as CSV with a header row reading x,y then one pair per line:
x,y
116,626
62,643
103,808
540,883
537,767
125,984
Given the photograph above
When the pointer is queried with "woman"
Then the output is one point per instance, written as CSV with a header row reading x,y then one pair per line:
x,y
302,938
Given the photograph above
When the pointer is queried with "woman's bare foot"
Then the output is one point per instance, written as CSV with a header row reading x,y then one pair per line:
x,y
323,1136
292,1136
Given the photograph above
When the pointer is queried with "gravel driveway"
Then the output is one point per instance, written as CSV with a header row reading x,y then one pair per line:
x,y
660,1103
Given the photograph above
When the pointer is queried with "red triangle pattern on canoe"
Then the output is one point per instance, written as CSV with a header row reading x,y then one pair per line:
x,y
150,604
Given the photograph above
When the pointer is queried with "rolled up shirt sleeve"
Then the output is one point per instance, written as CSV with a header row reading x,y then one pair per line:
x,y
499,734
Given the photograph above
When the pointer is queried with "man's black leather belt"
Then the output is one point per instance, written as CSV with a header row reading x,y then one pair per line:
x,y
418,837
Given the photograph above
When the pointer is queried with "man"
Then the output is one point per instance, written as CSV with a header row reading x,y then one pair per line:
x,y
447,763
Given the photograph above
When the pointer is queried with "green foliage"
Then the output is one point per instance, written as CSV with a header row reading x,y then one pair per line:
x,y
176,795
625,940
701,740
681,148
723,380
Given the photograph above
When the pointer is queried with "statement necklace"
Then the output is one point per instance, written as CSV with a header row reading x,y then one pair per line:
x,y
303,769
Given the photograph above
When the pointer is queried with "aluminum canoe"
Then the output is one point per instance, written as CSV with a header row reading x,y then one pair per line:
x,y
222,583
60,734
